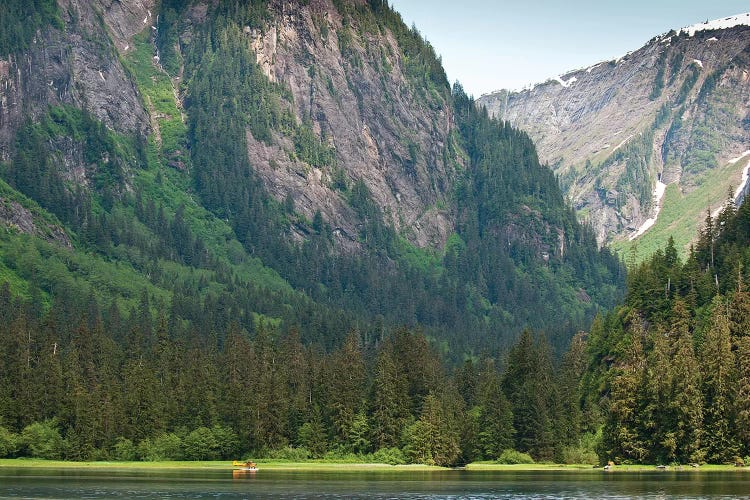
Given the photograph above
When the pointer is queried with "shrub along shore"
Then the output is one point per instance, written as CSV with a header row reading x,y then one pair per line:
x,y
326,466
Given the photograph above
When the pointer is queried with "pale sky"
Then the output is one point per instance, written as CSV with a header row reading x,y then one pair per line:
x,y
489,45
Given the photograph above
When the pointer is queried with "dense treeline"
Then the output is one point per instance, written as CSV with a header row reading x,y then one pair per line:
x,y
672,364
114,384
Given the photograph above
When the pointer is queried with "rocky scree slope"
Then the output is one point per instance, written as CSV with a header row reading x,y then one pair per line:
x,y
671,112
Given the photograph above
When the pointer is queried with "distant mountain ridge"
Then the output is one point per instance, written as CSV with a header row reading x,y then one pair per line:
x,y
674,111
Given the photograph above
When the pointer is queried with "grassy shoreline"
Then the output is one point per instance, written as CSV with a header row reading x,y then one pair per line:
x,y
212,465
616,468
321,466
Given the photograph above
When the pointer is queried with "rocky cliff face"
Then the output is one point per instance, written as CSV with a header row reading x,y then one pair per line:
x,y
347,80
19,218
351,86
673,111
77,65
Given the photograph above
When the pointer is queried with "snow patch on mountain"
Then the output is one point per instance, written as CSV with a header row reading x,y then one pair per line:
x,y
740,191
623,142
735,160
658,195
718,24
617,61
741,188
565,83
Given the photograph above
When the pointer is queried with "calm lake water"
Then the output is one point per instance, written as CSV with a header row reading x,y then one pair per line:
x,y
454,484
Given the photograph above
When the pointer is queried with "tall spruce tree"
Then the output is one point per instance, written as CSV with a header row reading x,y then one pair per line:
x,y
390,401
622,439
434,438
686,401
742,401
493,414
527,382
345,387
654,414
719,379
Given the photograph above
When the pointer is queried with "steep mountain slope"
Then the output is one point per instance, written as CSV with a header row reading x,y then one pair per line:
x,y
71,60
300,165
352,87
675,112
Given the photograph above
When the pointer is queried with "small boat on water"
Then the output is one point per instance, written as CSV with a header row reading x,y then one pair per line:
x,y
248,466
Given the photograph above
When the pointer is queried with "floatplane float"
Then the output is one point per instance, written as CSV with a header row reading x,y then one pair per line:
x,y
247,466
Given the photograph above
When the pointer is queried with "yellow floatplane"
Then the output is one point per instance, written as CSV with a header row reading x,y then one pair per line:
x,y
248,466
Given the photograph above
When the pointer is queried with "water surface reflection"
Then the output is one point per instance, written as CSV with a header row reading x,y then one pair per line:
x,y
47,483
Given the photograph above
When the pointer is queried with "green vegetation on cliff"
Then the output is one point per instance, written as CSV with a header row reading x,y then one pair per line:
x,y
20,20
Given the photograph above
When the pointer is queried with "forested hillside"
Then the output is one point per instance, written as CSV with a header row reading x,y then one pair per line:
x,y
186,210
290,181
670,367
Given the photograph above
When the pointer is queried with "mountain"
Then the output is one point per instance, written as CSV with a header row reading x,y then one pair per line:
x,y
295,164
662,130
272,228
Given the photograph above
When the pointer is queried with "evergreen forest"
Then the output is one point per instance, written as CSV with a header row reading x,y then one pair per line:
x,y
669,368
158,302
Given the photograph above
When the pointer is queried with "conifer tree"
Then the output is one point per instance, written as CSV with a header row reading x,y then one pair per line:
x,y
568,420
495,432
236,397
140,390
527,383
358,437
434,438
742,409
49,369
719,379
23,408
296,362
686,401
312,434
654,415
346,385
740,313
622,440
390,401
268,393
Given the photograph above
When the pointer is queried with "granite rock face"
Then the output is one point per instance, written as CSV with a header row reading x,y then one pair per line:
x,y
16,217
